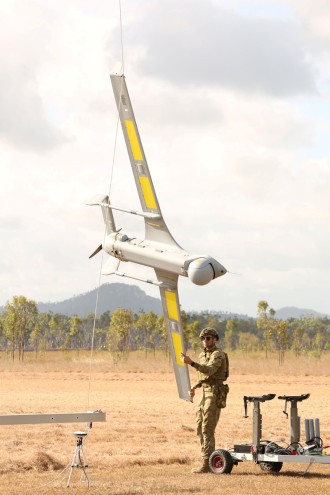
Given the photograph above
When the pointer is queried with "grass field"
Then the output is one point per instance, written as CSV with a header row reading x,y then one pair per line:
x,y
148,444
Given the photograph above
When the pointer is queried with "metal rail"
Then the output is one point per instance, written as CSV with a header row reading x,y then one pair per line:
x,y
31,419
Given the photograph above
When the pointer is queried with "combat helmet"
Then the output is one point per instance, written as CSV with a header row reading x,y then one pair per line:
x,y
208,331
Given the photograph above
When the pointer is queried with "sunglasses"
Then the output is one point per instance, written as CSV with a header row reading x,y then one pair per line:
x,y
208,337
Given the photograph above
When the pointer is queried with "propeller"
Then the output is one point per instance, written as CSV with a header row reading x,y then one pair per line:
x,y
97,250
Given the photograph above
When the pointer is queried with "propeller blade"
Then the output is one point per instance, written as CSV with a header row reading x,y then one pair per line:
x,y
97,250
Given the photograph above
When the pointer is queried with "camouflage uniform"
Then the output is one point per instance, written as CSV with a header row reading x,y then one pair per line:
x,y
212,371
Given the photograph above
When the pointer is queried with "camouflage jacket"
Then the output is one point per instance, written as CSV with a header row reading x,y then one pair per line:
x,y
212,367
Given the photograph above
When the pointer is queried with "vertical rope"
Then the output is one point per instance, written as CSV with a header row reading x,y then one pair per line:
x,y
113,157
123,73
93,335
104,235
121,38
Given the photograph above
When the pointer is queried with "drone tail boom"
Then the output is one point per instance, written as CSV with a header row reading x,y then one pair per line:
x,y
103,201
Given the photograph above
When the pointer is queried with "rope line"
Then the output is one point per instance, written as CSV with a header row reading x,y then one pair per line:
x,y
121,38
93,335
118,115
113,157
109,193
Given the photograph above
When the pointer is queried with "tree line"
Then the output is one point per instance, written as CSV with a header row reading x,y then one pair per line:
x,y
23,327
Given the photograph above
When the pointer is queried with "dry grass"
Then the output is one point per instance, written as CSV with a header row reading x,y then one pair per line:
x,y
148,444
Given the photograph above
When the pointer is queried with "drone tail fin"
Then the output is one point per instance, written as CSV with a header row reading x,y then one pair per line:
x,y
103,201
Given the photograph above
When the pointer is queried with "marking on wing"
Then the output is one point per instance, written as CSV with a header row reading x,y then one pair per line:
x,y
154,224
148,194
177,343
172,307
133,139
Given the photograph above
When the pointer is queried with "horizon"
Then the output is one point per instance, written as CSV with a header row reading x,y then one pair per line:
x,y
307,311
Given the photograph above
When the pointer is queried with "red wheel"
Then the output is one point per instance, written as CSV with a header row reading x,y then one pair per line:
x,y
221,462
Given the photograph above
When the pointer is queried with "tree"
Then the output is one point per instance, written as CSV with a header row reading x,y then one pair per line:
x,y
162,332
297,343
193,331
59,327
265,322
247,342
35,338
231,337
20,317
184,326
146,324
2,329
121,325
86,330
73,337
317,334
40,332
101,330
280,337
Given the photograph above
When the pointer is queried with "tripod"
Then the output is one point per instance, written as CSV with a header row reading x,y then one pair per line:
x,y
78,460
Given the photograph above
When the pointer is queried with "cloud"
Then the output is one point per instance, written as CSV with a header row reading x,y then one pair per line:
x,y
214,46
23,118
315,16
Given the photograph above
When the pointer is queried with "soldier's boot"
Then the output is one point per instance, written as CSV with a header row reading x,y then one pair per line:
x,y
204,468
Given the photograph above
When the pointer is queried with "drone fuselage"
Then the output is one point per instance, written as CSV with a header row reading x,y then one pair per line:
x,y
200,269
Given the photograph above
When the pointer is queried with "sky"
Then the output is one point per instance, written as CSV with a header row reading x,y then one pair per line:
x,y
232,101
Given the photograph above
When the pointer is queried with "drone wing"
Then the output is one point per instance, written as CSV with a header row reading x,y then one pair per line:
x,y
155,230
155,227
171,309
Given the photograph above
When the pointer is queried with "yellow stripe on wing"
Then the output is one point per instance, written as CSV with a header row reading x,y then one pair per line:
x,y
133,139
172,306
149,197
177,344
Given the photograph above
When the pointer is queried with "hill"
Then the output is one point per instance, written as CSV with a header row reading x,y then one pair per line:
x,y
293,312
118,295
111,297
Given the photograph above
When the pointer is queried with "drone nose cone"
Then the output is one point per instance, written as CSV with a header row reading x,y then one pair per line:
x,y
219,270
202,270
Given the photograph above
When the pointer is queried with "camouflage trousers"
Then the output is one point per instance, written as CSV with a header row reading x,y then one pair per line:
x,y
207,417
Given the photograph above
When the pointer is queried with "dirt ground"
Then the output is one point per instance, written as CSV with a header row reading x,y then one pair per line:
x,y
148,443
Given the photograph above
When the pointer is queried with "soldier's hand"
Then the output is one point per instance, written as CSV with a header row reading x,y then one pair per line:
x,y
185,359
192,393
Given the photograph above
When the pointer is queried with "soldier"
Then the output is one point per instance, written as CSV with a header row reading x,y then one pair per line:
x,y
212,371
